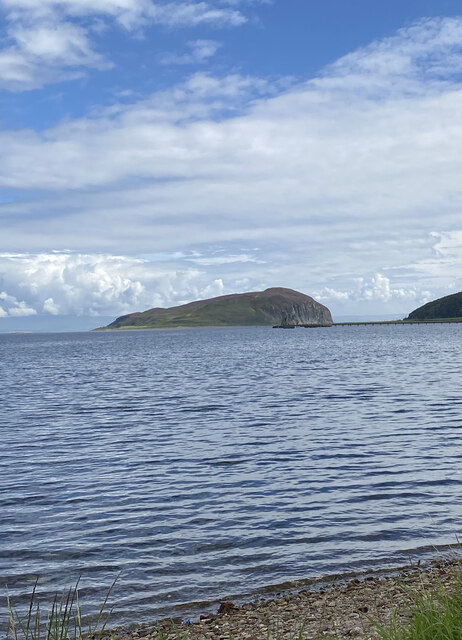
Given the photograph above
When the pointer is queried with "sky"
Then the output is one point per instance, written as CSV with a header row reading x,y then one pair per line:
x,y
154,152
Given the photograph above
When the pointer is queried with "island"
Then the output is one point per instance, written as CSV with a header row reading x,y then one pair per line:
x,y
277,306
447,309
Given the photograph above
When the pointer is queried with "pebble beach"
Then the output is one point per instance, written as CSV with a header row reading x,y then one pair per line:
x,y
342,609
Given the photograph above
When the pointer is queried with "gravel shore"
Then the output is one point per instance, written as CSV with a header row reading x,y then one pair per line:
x,y
342,609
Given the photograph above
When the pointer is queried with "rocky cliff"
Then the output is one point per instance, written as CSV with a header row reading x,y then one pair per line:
x,y
274,306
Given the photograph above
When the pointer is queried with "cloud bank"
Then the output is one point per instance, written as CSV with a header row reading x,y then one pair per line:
x,y
81,284
347,185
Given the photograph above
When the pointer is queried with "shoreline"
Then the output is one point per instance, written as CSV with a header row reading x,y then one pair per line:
x,y
346,606
301,326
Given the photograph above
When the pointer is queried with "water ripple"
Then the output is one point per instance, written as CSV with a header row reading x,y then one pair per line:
x,y
208,462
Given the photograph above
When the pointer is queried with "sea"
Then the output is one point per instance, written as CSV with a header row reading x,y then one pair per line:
x,y
197,465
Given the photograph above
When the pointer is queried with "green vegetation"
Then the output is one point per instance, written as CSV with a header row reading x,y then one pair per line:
x,y
270,307
62,622
448,308
227,312
435,615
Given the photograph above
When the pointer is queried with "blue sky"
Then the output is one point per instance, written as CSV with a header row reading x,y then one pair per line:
x,y
157,152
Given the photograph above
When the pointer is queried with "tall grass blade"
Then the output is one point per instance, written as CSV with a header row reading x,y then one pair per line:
x,y
63,621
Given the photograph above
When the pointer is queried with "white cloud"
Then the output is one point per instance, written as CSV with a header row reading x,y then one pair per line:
x,y
441,269
331,294
429,50
129,13
13,307
325,147
335,180
21,309
49,40
64,41
40,53
224,259
376,290
199,51
449,245
193,14
216,288
66,283
49,306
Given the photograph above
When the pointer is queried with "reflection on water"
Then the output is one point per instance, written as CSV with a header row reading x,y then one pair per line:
x,y
206,462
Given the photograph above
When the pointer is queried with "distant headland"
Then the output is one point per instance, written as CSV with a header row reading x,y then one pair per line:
x,y
275,306
443,309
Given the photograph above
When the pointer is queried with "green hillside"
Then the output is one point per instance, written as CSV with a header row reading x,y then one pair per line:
x,y
449,307
269,307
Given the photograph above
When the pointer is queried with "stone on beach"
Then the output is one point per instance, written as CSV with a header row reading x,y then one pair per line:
x,y
344,610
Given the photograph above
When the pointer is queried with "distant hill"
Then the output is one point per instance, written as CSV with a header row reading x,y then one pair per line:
x,y
269,307
443,308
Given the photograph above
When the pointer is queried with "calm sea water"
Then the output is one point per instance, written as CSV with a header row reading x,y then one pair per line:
x,y
202,463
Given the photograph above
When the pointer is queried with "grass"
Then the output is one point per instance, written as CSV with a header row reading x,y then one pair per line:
x,y
63,621
436,614
217,312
